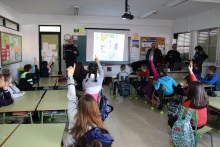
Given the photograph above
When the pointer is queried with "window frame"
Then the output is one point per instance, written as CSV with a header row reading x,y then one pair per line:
x,y
208,45
4,23
184,46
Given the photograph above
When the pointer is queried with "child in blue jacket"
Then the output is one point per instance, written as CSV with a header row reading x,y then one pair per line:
x,y
166,80
211,78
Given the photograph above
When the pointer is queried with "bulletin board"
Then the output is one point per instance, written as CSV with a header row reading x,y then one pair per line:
x,y
147,41
11,48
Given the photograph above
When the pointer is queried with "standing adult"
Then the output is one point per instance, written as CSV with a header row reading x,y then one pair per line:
x,y
198,59
173,56
71,53
157,56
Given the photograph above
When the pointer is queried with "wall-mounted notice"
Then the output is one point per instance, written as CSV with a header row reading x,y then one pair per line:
x,y
11,48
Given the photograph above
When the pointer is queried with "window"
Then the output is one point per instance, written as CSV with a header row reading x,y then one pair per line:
x,y
208,40
49,28
8,23
183,45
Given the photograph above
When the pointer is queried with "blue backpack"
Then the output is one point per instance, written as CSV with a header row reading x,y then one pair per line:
x,y
182,133
124,86
104,108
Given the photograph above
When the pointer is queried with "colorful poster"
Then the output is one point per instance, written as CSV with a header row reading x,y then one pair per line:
x,y
135,43
11,48
135,36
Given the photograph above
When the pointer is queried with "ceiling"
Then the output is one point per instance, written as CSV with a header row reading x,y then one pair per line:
x,y
114,8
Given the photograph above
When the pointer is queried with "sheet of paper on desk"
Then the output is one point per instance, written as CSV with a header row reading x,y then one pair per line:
x,y
48,59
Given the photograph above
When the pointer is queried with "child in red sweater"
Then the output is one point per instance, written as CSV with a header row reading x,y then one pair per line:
x,y
144,72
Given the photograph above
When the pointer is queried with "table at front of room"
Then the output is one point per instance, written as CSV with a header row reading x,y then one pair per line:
x,y
5,131
46,82
36,135
184,81
53,100
26,103
178,74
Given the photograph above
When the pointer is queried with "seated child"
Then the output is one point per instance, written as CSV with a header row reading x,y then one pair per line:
x,y
80,74
166,80
144,72
28,78
92,84
83,115
15,92
211,78
196,99
46,68
121,73
5,96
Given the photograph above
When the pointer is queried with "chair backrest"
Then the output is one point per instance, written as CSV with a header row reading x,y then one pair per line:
x,y
123,78
142,78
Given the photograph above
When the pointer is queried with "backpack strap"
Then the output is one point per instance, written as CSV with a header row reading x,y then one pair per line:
x,y
182,109
189,115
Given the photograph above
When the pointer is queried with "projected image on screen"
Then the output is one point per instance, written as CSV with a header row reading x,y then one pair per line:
x,y
109,46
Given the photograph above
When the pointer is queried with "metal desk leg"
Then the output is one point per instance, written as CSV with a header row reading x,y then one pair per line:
x,y
42,117
3,118
30,115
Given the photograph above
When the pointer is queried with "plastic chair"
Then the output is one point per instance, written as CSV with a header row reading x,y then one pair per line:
x,y
199,132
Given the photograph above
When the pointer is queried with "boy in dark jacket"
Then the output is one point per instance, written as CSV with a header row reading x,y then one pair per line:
x,y
5,96
28,78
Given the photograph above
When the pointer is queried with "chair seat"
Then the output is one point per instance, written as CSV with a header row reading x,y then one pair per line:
x,y
204,129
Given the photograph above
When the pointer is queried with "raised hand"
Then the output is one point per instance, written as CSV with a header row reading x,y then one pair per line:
x,y
97,59
190,67
71,70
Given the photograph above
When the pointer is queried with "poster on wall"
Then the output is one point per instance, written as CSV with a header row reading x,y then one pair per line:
x,y
135,51
11,48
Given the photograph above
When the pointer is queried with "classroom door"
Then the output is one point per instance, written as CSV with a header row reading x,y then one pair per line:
x,y
50,44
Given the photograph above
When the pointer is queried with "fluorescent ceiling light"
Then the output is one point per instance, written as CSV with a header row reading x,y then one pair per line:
x,y
175,3
148,14
210,1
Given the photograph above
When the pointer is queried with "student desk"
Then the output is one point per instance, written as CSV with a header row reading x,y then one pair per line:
x,y
27,103
53,100
178,74
214,102
36,135
5,131
184,81
46,82
64,84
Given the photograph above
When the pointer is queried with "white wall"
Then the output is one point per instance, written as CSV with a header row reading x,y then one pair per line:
x,y
30,22
193,23
11,14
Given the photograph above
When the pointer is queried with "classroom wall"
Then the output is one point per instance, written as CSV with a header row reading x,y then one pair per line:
x,y
193,23
14,16
29,30
157,28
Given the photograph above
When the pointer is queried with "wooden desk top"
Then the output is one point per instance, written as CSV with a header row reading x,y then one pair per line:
x,y
5,131
36,135
54,100
215,101
46,82
28,102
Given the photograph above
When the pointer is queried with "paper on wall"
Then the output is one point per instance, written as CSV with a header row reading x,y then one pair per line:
x,y
134,58
54,53
52,46
49,53
135,50
143,53
161,48
48,59
15,42
12,54
43,53
146,49
45,45
10,39
144,44
142,57
149,44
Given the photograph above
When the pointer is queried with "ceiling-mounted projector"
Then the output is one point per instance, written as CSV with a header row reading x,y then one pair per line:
x,y
127,14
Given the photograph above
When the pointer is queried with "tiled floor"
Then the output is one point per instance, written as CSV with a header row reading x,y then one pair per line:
x,y
134,124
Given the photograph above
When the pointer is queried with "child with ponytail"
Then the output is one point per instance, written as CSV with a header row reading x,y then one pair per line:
x,y
92,84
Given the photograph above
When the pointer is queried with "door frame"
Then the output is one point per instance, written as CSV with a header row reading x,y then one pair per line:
x,y
59,45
